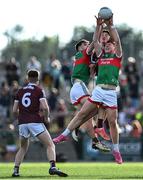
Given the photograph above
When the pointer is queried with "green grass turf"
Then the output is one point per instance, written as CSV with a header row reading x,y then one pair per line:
x,y
76,171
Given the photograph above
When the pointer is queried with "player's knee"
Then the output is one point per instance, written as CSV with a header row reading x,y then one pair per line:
x,y
24,149
51,145
24,145
113,123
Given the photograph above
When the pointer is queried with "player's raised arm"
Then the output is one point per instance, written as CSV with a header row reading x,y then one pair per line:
x,y
96,37
115,36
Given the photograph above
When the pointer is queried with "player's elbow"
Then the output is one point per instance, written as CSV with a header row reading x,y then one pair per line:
x,y
14,110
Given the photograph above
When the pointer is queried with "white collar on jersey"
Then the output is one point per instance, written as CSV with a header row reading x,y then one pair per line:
x,y
29,84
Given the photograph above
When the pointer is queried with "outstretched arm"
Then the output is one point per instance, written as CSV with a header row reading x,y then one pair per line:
x,y
99,26
115,36
96,35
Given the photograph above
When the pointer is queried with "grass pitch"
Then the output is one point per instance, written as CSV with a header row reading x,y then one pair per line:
x,y
39,171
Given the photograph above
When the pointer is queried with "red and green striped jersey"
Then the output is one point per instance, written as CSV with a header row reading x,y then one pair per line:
x,y
81,67
108,69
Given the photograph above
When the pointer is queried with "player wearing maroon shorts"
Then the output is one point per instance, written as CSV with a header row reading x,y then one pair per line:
x,y
27,104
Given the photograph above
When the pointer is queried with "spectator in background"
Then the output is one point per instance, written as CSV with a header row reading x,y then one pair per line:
x,y
52,99
53,70
66,72
133,79
34,64
139,113
14,89
12,71
47,76
4,103
123,86
58,108
136,129
48,66
62,111
56,73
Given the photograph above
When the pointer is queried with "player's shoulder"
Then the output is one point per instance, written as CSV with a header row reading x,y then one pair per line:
x,y
38,87
19,90
39,90
78,55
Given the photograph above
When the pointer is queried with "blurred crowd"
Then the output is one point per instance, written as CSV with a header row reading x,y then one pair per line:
x,y
130,99
55,78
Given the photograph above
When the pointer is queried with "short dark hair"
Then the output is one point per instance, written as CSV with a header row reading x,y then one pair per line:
x,y
33,74
79,43
106,31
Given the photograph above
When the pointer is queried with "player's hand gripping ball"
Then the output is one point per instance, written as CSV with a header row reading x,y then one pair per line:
x,y
105,13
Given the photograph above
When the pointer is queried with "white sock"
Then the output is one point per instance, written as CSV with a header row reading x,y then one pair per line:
x,y
66,132
116,147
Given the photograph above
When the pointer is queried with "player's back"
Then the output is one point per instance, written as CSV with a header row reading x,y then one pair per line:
x,y
29,104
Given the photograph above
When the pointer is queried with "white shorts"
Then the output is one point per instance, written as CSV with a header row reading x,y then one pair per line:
x,y
105,97
33,129
77,92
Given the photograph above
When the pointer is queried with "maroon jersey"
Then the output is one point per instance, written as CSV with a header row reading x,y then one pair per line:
x,y
29,104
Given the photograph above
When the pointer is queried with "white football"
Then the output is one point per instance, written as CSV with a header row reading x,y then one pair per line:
x,y
105,13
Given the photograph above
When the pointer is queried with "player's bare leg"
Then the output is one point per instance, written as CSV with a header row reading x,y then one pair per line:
x,y
112,119
99,128
46,139
24,144
96,144
87,126
87,111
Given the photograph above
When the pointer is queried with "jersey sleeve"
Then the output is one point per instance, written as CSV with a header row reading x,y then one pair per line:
x,y
42,94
